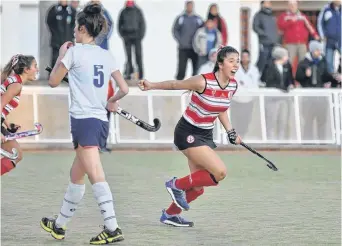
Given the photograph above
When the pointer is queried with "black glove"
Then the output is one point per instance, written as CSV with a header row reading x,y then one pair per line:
x,y
232,136
13,128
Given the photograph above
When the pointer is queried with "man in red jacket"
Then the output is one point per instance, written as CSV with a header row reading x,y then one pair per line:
x,y
296,29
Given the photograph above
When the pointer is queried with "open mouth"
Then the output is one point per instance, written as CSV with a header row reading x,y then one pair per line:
x,y
234,71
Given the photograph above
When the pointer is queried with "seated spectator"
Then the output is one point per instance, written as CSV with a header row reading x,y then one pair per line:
x,y
278,74
205,39
312,72
247,77
278,71
208,67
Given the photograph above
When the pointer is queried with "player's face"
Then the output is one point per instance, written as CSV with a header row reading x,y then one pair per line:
x,y
32,71
230,65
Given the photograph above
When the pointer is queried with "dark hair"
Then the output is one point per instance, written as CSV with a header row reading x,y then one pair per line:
x,y
222,53
17,63
92,18
245,51
218,17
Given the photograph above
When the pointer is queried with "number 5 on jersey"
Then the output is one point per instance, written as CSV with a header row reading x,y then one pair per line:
x,y
98,76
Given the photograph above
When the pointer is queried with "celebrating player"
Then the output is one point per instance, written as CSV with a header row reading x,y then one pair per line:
x,y
89,69
211,97
17,72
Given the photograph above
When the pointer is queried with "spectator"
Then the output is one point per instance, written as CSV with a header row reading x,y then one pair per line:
x,y
132,28
61,22
329,28
209,65
277,74
296,28
265,26
184,30
206,38
247,77
103,39
76,5
219,21
313,72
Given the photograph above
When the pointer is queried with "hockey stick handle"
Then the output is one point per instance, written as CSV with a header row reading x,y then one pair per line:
x,y
38,129
270,164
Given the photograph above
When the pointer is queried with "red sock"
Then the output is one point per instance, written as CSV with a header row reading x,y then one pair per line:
x,y
196,179
191,195
6,165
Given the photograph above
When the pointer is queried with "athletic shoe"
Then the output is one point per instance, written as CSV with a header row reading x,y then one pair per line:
x,y
177,195
175,220
49,225
107,236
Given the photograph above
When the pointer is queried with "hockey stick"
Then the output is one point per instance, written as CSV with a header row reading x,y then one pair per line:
x,y
270,164
38,129
12,156
127,115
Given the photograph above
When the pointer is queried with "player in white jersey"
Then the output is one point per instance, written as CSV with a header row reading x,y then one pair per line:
x,y
211,97
89,69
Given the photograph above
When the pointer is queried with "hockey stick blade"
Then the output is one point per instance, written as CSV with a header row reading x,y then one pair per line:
x,y
269,163
139,122
127,115
38,129
12,156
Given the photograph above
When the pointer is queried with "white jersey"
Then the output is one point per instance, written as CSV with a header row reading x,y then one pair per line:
x,y
90,68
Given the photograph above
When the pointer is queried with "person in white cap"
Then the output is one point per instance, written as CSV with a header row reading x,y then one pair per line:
x,y
312,72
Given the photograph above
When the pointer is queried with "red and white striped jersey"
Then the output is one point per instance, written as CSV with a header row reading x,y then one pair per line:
x,y
15,100
204,108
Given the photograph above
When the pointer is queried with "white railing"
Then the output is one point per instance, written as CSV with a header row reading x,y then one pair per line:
x,y
299,126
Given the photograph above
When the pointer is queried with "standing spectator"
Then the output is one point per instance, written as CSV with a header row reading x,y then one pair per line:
x,y
265,26
219,21
131,26
313,72
61,22
76,5
329,28
277,74
247,77
296,28
103,39
206,38
184,30
209,65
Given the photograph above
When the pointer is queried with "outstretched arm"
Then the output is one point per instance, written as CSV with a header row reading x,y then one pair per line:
x,y
195,83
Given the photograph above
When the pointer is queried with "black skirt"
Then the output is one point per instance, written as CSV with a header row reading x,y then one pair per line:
x,y
187,136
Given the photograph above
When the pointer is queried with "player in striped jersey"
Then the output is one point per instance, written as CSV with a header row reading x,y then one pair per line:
x,y
17,72
211,98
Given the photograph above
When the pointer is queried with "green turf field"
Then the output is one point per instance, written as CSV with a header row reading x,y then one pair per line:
x,y
298,205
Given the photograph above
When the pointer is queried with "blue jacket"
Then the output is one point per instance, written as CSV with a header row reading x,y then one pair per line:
x,y
329,25
103,38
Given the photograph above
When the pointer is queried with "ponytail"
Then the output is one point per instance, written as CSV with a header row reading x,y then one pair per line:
x,y
6,71
216,68
17,64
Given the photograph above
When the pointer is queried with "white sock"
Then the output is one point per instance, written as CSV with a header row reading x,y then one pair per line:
x,y
72,197
104,199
